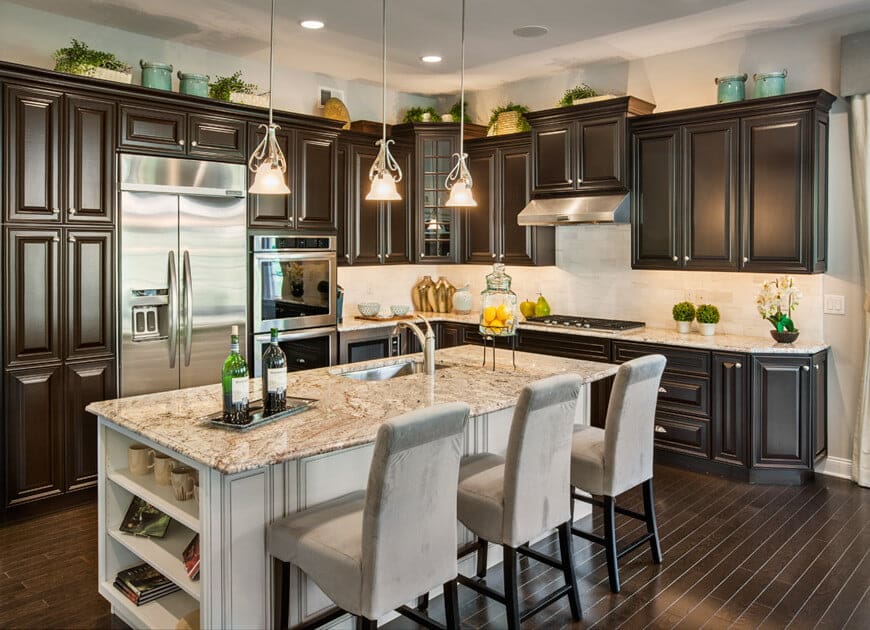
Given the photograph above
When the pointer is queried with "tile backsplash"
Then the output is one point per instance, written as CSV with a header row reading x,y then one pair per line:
x,y
593,277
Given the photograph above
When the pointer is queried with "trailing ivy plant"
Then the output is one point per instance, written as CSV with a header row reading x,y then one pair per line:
x,y
221,87
78,57
510,107
454,112
576,93
415,114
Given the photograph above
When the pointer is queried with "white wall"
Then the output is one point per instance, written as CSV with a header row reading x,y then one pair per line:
x,y
29,37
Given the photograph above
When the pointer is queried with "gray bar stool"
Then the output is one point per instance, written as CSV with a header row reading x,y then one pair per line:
x,y
607,462
372,551
513,499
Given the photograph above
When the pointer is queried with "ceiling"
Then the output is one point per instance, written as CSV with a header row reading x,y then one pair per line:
x,y
581,32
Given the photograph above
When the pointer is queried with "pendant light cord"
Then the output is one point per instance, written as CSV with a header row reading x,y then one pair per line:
x,y
462,86
271,58
383,71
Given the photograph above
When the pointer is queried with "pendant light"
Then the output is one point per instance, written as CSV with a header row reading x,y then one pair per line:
x,y
385,171
460,188
267,162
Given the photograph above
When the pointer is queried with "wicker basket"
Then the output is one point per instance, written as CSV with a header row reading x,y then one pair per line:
x,y
108,75
257,100
508,122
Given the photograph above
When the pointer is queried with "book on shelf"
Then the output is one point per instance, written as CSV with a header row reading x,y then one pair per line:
x,y
143,583
143,519
190,557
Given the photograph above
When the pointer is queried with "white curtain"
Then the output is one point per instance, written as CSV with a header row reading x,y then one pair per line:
x,y
859,140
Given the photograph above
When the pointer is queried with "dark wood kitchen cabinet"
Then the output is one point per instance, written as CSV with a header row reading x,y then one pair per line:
x,y
733,187
501,170
90,313
216,137
730,413
582,149
84,383
90,160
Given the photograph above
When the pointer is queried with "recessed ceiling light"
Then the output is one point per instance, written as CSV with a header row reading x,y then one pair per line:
x,y
531,31
430,58
311,24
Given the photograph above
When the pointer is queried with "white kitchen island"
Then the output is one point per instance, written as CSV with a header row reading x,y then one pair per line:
x,y
249,479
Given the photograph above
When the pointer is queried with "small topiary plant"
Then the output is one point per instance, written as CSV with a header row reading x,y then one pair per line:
x,y
221,87
415,114
707,314
684,312
576,93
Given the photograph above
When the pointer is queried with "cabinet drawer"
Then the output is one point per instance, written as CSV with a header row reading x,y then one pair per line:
x,y
689,394
471,334
571,346
683,435
679,360
217,137
155,129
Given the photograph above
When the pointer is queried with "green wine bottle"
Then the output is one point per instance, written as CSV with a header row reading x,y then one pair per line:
x,y
274,377
234,378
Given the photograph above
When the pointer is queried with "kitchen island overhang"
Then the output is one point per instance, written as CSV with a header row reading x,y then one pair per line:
x,y
249,479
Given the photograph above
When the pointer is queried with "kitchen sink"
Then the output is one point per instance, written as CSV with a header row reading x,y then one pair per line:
x,y
385,372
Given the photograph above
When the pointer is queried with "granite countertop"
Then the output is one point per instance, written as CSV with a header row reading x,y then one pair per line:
x,y
720,342
348,413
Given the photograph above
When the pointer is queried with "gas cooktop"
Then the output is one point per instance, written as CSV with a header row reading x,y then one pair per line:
x,y
586,323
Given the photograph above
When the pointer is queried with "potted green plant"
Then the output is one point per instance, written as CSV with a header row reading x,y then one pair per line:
x,y
774,295
708,317
420,114
455,112
508,118
78,58
575,94
684,315
235,90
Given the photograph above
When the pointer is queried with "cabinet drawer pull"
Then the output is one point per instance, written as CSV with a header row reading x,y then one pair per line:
x,y
675,258
181,142
805,368
193,144
660,429
662,390
71,211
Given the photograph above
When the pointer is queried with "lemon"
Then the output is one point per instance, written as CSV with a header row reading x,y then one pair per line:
x,y
489,314
496,324
503,312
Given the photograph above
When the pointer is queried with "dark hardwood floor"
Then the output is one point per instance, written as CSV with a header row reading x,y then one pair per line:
x,y
736,555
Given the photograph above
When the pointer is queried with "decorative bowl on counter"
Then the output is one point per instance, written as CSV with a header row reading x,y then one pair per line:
x,y
400,310
369,309
784,336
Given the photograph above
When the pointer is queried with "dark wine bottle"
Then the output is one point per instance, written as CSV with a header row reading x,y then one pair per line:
x,y
234,380
274,377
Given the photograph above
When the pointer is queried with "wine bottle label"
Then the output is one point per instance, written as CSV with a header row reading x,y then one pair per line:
x,y
276,380
240,391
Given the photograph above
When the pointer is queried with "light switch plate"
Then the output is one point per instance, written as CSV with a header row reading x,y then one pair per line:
x,y
835,304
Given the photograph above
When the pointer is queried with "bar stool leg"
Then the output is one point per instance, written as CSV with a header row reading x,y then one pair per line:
x,y
649,510
511,588
482,549
610,542
451,605
567,552
423,602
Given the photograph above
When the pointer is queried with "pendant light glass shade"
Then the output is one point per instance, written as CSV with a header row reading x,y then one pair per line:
x,y
385,171
267,161
459,180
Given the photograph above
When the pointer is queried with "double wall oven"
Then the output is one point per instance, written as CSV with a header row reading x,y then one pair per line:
x,y
294,286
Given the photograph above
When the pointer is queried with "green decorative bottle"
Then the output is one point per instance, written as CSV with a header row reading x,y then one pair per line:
x,y
234,378
274,377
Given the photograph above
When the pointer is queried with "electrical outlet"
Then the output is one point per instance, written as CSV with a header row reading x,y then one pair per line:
x,y
835,304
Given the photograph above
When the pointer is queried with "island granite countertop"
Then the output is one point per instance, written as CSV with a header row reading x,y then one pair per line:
x,y
349,412
717,342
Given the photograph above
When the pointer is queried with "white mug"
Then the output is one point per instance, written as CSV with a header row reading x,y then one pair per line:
x,y
183,479
140,459
163,465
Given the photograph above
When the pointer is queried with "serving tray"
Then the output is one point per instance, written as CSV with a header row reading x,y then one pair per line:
x,y
255,413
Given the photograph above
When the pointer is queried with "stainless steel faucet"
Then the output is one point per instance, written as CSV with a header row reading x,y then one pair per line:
x,y
427,341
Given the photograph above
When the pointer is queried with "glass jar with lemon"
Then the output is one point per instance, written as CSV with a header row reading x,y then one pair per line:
x,y
498,315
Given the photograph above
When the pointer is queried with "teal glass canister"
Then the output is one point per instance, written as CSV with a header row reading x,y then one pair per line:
x,y
769,83
732,88
193,84
156,75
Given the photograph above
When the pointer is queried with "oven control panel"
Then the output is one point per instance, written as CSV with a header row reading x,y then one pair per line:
x,y
293,243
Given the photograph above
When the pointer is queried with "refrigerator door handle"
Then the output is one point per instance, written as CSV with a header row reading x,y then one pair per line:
x,y
173,310
188,308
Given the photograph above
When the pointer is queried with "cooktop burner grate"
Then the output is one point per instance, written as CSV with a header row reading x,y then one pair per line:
x,y
586,323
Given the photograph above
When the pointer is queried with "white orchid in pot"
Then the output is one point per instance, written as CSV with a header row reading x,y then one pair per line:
x,y
776,302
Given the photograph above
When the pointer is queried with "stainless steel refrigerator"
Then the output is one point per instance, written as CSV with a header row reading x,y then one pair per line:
x,y
183,270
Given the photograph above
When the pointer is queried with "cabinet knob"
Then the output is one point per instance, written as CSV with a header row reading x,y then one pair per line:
x,y
386,256
570,180
493,255
347,256
745,259
422,254
181,142
300,361
71,239
662,390
675,258
55,239
55,211
738,365
660,429
818,367
71,211
805,368
686,258
193,144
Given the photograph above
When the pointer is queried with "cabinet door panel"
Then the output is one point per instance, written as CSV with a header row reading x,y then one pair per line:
x,y
777,189
315,189
365,245
162,131
450,335
517,242
398,215
217,137
34,433
32,295
271,210
601,155
820,403
342,196
32,154
90,291
655,234
552,146
437,225
90,160
85,383
729,409
480,222
780,412
710,193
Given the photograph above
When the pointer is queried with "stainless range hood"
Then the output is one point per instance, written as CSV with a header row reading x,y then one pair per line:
x,y
564,210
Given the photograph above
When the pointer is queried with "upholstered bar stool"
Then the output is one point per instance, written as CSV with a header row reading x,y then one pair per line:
x,y
514,499
607,462
372,551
